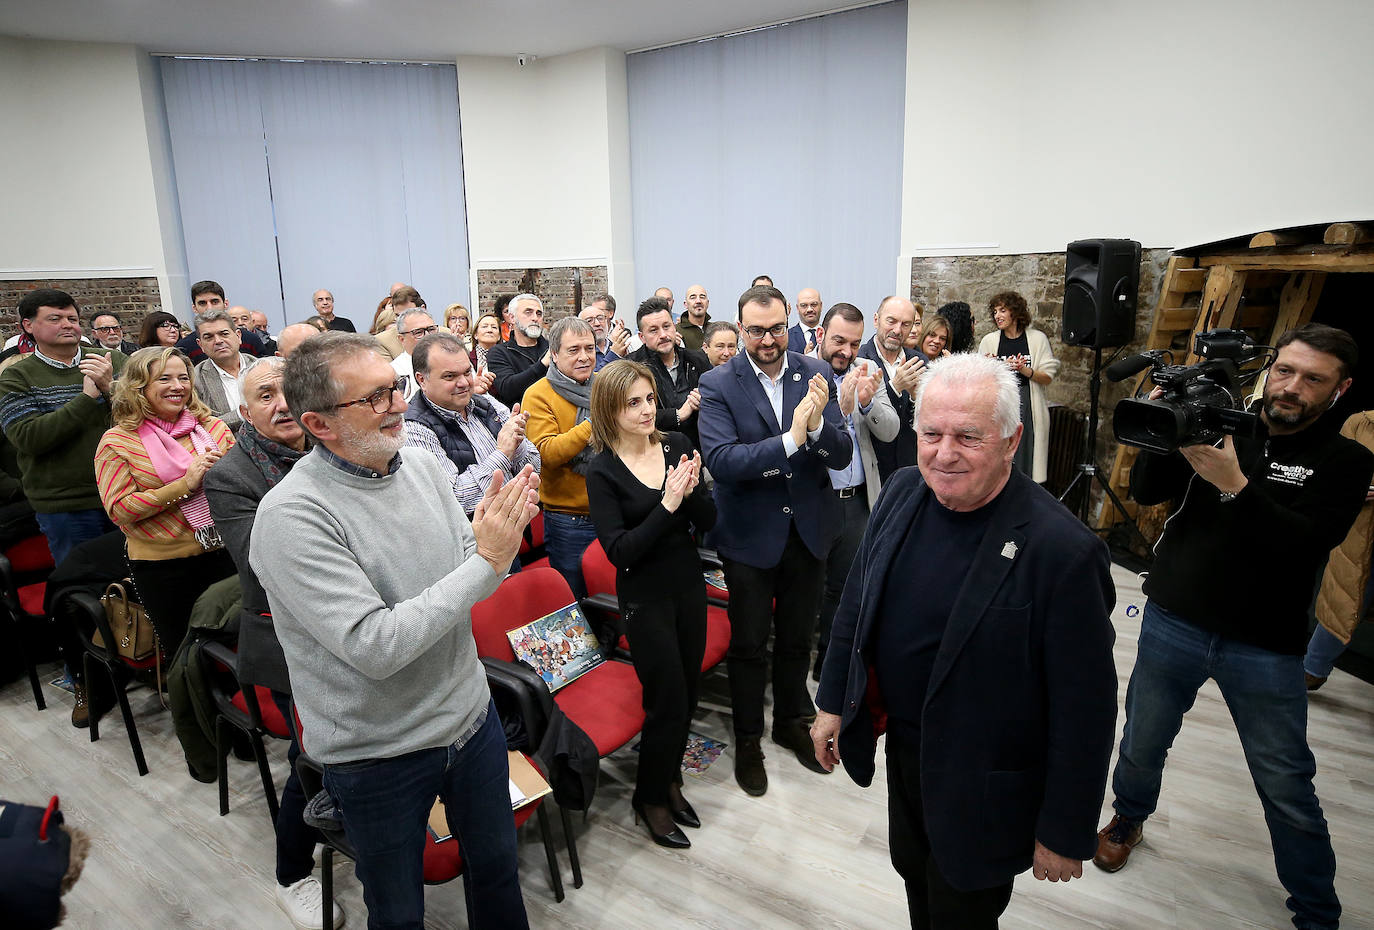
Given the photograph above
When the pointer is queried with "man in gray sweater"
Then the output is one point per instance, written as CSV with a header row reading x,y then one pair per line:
x,y
371,569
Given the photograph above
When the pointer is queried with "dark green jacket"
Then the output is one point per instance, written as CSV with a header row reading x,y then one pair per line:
x,y
214,616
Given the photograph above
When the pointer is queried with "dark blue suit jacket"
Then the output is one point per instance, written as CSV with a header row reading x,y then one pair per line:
x,y
796,338
758,491
1019,717
902,450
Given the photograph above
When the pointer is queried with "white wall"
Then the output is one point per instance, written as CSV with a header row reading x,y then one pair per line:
x,y
81,194
546,162
1031,124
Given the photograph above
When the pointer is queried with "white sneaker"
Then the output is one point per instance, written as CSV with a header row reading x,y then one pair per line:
x,y
303,902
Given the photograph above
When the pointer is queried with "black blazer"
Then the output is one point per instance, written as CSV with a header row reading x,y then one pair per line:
x,y
902,450
759,491
1020,715
233,487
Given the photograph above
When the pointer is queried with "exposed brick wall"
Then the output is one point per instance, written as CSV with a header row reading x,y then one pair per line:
x,y
130,299
1039,277
556,287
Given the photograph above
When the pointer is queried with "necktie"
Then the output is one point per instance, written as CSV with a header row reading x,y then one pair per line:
x,y
810,340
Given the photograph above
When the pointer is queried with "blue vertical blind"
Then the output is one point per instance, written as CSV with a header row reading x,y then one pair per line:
x,y
295,176
775,152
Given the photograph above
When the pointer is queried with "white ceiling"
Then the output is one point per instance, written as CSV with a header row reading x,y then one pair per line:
x,y
415,30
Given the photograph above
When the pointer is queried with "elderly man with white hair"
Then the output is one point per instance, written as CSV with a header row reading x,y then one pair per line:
x,y
979,607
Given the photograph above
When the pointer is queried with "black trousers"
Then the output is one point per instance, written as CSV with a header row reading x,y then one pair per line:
x,y
785,599
667,637
168,588
853,521
934,903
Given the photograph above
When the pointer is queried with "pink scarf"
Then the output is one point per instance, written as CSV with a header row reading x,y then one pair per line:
x,y
170,461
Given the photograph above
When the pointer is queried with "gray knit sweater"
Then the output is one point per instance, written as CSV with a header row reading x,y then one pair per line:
x,y
371,583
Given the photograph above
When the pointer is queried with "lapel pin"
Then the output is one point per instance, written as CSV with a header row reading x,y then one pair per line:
x,y
1009,550
796,376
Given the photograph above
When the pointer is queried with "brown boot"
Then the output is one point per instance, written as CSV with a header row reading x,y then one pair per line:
x,y
749,766
81,710
1115,842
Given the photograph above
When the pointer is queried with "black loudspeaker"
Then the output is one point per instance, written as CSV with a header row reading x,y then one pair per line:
x,y
1101,278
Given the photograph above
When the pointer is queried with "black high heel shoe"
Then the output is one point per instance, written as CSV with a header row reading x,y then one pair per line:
x,y
686,815
673,839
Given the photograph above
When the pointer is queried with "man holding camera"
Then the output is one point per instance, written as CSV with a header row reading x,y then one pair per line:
x,y
1267,508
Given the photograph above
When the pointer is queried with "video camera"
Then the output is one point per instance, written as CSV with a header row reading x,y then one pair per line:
x,y
1200,403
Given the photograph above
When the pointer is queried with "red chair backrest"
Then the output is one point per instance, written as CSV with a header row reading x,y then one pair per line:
x,y
30,555
523,597
597,570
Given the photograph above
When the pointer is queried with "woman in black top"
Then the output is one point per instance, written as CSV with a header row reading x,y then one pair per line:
x,y
640,488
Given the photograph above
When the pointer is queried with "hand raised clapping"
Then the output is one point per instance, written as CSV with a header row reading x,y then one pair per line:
x,y
680,480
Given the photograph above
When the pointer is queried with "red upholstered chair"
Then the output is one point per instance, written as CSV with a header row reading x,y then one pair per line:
x,y
23,570
599,574
251,711
85,612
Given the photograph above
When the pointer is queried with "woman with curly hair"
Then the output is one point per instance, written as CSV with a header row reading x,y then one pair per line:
x,y
1026,352
149,467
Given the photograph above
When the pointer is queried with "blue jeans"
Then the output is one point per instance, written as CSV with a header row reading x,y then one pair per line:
x,y
566,537
1267,697
385,805
66,531
295,838
1323,649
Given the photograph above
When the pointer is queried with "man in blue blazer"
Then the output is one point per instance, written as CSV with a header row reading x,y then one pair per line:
x,y
805,335
770,430
977,619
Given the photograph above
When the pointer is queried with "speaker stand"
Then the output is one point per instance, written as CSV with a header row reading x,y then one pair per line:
x,y
1087,471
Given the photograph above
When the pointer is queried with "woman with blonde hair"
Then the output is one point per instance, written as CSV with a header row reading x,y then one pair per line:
x,y
458,321
933,337
149,467
640,489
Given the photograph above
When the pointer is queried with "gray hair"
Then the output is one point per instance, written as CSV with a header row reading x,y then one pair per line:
x,y
419,356
413,311
719,326
569,325
519,297
213,316
308,380
967,372
273,362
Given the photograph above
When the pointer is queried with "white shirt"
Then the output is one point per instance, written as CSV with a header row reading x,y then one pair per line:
x,y
230,383
404,367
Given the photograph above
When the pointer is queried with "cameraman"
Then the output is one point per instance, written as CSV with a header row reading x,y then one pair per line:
x,y
1228,599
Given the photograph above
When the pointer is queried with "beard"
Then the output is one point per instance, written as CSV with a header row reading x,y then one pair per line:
x,y
533,331
1299,414
373,444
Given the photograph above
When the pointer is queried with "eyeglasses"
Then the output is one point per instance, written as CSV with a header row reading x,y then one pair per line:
x,y
169,324
106,329
422,330
758,332
380,399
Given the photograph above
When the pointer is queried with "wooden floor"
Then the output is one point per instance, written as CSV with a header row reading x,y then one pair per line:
x,y
811,853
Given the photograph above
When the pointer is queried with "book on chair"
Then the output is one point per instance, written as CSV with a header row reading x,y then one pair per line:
x,y
561,647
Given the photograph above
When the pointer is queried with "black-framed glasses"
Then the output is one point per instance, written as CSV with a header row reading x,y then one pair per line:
x,y
422,330
106,329
380,399
169,324
758,332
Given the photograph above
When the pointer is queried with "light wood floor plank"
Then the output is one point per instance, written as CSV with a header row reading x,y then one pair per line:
x,y
811,853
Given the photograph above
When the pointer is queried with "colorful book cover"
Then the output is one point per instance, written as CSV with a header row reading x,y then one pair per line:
x,y
716,578
560,647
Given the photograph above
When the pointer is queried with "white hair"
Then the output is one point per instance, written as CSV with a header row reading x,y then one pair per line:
x,y
967,371
273,362
413,311
519,297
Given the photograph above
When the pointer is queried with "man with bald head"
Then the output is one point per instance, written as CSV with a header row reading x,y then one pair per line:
x,y
902,367
805,336
292,336
692,325
324,306
666,294
258,322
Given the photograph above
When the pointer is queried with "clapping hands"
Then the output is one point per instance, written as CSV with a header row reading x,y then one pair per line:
x,y
680,480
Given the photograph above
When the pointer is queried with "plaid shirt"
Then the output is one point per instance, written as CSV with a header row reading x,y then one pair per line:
x,y
470,484
344,465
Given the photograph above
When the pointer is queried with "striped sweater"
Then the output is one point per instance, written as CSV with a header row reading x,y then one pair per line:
x,y
54,427
147,510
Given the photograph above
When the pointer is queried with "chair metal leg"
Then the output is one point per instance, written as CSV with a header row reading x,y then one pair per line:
x,y
129,725
260,753
546,835
572,845
33,672
222,763
327,888
93,716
